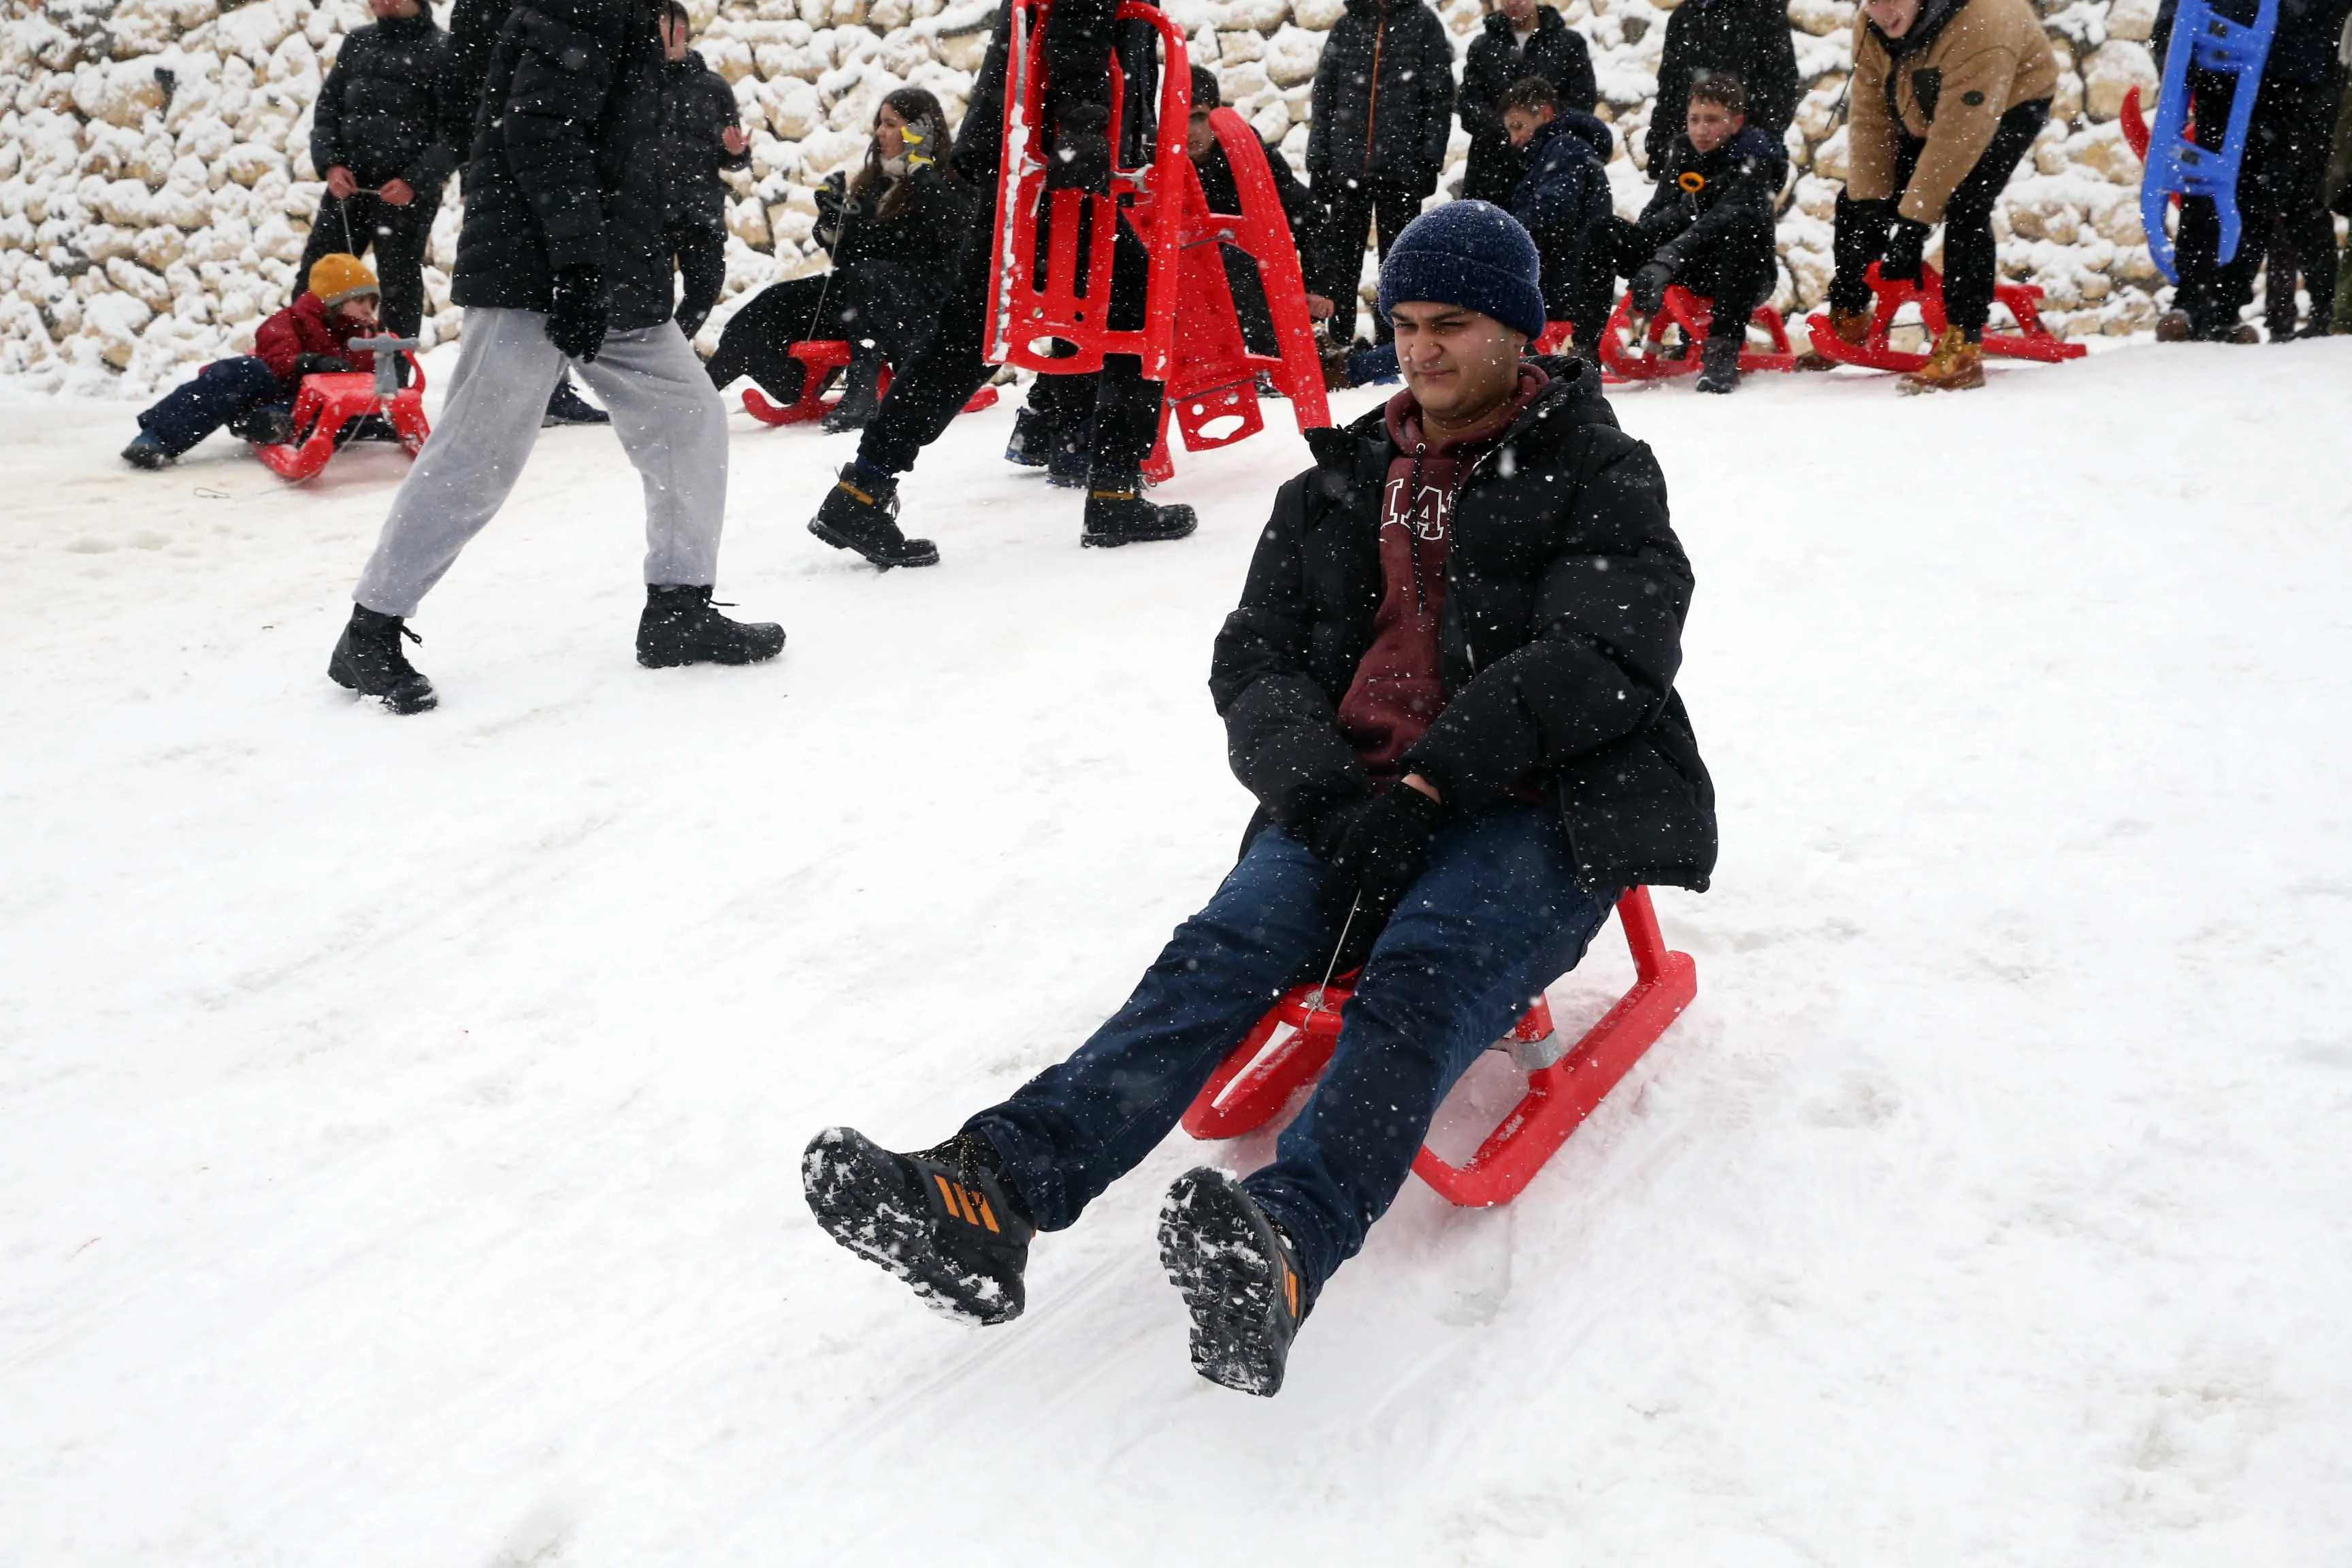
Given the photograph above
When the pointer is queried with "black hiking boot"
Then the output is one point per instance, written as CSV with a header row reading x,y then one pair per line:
x,y
1117,514
369,659
861,397
941,1220
1240,1279
566,407
1035,432
856,517
680,625
1719,363
147,452
1072,456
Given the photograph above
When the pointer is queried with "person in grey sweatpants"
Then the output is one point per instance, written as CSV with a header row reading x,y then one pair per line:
x,y
555,267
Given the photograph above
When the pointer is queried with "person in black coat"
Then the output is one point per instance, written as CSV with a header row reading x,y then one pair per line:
x,y
1708,226
701,133
893,233
1564,191
379,134
562,259
1382,111
1747,39
1300,209
1450,683
1520,38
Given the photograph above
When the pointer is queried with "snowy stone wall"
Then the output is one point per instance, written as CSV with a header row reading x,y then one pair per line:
x,y
155,181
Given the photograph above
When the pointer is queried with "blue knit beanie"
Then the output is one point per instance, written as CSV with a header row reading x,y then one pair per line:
x,y
1471,254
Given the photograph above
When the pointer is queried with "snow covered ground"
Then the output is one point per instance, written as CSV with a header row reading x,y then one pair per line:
x,y
399,1118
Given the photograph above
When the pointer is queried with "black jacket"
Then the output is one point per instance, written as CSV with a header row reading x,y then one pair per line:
x,y
1563,193
1383,101
978,153
698,110
1749,38
918,243
1557,53
2303,49
474,27
1565,591
382,112
1703,196
565,169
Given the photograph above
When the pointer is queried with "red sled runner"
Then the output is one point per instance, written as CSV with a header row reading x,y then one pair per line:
x,y
327,406
824,359
2032,339
1645,357
1291,1046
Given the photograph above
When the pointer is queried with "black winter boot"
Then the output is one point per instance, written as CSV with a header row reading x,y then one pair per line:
x,y
862,395
862,514
566,407
1719,363
1117,514
1035,432
369,659
147,452
1072,456
1240,1279
680,625
267,426
941,1220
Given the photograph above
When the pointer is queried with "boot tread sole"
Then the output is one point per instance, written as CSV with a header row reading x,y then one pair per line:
x,y
857,1193
1213,1255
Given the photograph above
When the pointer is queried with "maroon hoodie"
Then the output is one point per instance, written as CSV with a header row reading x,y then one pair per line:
x,y
1400,685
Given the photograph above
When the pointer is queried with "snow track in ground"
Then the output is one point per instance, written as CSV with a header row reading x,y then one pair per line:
x,y
400,1119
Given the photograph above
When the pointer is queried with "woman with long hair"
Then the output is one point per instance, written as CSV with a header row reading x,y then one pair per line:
x,y
893,232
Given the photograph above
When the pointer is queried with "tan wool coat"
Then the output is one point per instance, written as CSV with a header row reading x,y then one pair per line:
x,y
1986,58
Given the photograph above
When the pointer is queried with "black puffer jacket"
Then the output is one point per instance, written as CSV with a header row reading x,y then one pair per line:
x,y
920,241
1383,103
978,151
565,169
1565,591
1557,53
1749,38
698,110
1700,195
382,112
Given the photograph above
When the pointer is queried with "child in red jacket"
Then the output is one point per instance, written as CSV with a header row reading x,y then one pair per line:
x,y
252,395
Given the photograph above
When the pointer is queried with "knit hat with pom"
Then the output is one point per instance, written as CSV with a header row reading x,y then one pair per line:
x,y
1471,254
339,277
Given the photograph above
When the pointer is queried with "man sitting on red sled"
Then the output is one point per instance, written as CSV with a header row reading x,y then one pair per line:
x,y
1450,685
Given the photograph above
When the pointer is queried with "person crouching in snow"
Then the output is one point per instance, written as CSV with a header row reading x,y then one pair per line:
x,y
1948,97
253,396
1450,683
562,259
1709,228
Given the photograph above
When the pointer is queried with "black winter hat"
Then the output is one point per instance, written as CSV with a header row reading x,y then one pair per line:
x,y
1471,254
1206,94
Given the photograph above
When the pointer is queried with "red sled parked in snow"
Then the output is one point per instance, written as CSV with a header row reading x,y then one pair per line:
x,y
1631,351
327,406
824,360
1291,1046
1875,351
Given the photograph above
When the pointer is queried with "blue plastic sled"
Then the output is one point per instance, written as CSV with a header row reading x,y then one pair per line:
x,y
2206,42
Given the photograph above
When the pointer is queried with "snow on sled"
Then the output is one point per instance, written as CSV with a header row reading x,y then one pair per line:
x,y
1632,349
1877,352
328,408
1291,1046
824,359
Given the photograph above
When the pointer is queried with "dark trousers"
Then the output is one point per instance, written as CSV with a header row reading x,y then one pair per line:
x,y
1972,265
396,236
701,252
2292,122
1357,204
1492,171
1734,270
224,392
1497,917
930,390
865,303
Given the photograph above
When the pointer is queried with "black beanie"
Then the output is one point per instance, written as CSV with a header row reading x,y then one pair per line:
x,y
1205,89
1471,254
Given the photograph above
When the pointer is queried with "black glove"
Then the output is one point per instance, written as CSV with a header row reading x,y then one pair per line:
x,y
320,365
1325,830
576,312
1080,160
1906,251
1387,847
1648,286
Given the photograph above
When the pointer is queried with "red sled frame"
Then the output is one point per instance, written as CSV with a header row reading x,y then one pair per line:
x,y
1630,358
1291,1046
820,358
2031,340
326,404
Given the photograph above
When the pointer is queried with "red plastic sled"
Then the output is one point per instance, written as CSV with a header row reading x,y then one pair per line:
x,y
823,358
1690,314
327,404
2032,339
1291,1046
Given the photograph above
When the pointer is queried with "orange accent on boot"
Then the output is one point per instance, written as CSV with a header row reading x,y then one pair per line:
x,y
988,1218
1290,1290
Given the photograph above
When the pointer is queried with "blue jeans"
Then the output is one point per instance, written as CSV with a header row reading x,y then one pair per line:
x,y
221,393
1496,918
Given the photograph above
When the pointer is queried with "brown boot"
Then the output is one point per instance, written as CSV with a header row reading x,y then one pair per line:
x,y
1957,365
2174,327
1851,327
